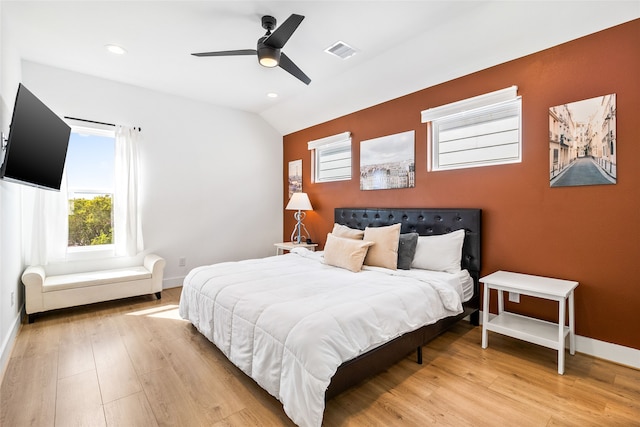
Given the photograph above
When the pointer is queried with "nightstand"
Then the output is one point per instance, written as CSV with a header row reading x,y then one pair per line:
x,y
537,331
287,246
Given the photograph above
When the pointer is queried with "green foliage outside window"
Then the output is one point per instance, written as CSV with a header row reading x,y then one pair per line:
x,y
90,221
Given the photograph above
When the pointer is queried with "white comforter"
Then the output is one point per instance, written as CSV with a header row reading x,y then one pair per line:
x,y
289,321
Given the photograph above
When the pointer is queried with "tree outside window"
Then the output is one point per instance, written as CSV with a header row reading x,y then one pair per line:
x,y
90,170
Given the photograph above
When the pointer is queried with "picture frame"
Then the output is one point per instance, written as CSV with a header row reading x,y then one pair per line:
x,y
388,162
295,177
582,142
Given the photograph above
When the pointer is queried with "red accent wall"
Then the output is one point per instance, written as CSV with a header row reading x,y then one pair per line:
x,y
590,233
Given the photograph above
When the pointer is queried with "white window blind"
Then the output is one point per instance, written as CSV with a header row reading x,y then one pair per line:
x,y
331,158
479,131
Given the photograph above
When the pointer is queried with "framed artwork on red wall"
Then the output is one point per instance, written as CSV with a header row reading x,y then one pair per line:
x,y
388,162
295,177
582,142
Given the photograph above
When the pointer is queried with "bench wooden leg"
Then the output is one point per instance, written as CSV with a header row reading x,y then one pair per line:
x,y
159,295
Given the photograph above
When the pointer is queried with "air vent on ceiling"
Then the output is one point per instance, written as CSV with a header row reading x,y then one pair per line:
x,y
341,50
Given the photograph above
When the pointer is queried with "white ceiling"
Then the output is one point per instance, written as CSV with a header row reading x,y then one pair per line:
x,y
404,46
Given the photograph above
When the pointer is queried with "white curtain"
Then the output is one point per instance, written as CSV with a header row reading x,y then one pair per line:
x,y
127,230
46,224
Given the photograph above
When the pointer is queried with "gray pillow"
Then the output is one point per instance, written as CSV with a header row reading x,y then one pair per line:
x,y
406,250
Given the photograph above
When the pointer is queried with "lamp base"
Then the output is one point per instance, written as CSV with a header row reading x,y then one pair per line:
x,y
296,236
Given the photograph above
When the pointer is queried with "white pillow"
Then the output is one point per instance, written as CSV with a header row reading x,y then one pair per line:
x,y
439,253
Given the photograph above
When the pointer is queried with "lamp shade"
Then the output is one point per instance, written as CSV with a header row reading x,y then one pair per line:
x,y
299,202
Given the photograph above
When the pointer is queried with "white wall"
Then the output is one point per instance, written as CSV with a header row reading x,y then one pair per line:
x,y
11,266
211,176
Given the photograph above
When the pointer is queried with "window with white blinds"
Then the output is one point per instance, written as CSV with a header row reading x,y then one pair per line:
x,y
331,158
479,131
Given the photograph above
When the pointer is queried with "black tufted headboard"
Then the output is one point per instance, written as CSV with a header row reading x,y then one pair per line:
x,y
425,222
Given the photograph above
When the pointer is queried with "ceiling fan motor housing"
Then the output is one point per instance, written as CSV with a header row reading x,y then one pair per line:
x,y
268,22
268,56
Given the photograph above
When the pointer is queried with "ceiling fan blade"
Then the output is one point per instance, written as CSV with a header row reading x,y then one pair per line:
x,y
228,53
291,68
280,36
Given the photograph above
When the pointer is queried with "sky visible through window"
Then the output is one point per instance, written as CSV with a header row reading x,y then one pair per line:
x,y
90,163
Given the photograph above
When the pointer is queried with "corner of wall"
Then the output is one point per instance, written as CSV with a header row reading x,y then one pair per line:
x,y
11,295
7,344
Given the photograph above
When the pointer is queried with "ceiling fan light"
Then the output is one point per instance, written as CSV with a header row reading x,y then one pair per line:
x,y
268,56
268,62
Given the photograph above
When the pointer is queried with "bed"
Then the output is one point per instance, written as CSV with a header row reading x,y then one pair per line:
x,y
305,330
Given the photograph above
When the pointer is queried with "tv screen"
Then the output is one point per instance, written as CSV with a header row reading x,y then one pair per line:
x,y
37,144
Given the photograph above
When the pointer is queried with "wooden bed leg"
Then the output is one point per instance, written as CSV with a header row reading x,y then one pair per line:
x,y
159,295
31,318
419,355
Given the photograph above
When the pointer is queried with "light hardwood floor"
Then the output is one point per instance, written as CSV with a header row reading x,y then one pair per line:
x,y
134,362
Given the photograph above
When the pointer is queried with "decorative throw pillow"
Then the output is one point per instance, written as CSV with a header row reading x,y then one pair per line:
x,y
439,253
385,251
348,232
406,250
345,253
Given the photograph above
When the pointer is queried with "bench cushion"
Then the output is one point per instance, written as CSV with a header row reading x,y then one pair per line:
x,y
92,278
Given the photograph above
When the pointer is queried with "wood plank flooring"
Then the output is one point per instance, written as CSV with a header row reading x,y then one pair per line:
x,y
134,362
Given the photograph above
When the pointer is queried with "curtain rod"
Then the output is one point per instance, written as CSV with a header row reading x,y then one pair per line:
x,y
97,123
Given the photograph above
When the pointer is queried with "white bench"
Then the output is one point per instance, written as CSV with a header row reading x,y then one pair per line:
x,y
44,292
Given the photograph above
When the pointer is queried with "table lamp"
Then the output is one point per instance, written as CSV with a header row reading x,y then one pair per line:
x,y
299,202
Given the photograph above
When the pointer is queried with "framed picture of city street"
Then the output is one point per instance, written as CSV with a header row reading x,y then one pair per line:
x,y
582,142
295,177
388,162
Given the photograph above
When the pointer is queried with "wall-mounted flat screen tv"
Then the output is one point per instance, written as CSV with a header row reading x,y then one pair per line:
x,y
37,145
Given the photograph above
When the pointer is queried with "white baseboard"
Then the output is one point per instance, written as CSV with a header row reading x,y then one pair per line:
x,y
613,352
603,350
8,342
172,282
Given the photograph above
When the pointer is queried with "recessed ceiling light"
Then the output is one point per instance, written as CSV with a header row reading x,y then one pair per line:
x,y
272,95
113,48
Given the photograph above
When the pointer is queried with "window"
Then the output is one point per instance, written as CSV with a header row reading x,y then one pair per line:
x,y
90,167
331,158
479,131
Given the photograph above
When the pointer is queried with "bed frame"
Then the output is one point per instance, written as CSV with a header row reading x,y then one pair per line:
x,y
425,222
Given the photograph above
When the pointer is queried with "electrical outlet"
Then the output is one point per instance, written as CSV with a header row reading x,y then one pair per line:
x,y
514,297
182,261
12,299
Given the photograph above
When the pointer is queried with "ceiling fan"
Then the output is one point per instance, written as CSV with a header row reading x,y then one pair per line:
x,y
270,45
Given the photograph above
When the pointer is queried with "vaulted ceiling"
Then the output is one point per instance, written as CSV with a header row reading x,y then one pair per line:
x,y
403,46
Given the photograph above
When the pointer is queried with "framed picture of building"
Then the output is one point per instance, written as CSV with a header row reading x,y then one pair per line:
x,y
582,142
388,162
295,177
